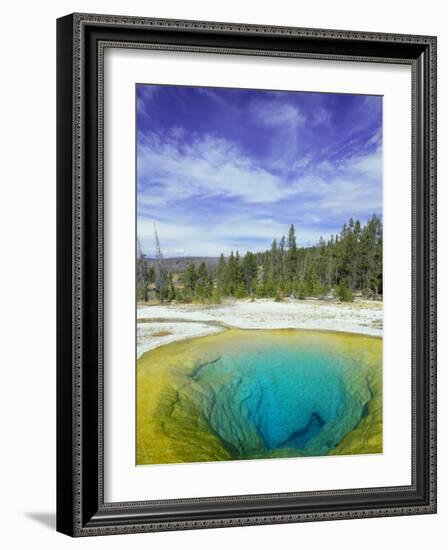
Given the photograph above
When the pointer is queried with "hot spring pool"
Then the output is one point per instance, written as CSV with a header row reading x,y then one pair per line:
x,y
259,394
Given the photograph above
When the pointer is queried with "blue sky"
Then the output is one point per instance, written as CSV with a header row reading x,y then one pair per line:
x,y
222,169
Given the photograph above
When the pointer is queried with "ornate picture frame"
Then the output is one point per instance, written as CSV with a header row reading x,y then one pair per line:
x,y
81,506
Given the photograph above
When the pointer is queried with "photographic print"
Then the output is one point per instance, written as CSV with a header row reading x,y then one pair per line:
x,y
259,289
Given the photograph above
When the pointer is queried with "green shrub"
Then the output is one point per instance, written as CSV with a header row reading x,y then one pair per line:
x,y
240,292
278,296
216,296
301,291
344,293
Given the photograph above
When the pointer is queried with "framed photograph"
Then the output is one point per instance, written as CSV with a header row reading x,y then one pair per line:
x,y
246,274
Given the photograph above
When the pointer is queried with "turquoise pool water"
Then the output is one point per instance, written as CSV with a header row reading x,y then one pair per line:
x,y
245,394
280,398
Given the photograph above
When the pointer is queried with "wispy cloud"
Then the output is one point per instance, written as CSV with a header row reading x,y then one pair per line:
x,y
276,113
204,167
144,100
220,170
321,116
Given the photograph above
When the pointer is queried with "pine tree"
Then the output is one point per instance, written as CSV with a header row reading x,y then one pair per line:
x,y
312,285
344,293
291,257
190,278
282,246
204,285
275,261
221,272
231,275
347,262
145,276
249,269
171,290
239,288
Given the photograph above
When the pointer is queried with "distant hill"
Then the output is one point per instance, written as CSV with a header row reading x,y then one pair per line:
x,y
181,263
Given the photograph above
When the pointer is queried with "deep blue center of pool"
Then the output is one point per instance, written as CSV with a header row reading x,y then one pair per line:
x,y
279,398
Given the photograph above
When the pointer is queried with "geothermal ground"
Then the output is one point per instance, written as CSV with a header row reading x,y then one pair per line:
x,y
162,324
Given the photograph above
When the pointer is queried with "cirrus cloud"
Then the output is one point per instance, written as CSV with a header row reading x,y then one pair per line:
x,y
221,170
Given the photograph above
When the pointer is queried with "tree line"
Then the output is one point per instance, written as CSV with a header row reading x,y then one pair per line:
x,y
345,264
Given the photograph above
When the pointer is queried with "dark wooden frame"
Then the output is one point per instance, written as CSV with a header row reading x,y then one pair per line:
x,y
81,39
